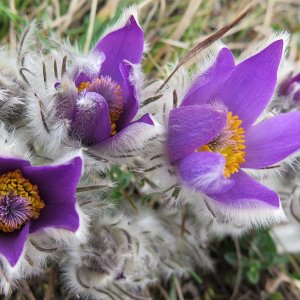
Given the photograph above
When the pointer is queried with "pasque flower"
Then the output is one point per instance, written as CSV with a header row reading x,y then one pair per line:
x,y
213,138
88,101
33,198
107,97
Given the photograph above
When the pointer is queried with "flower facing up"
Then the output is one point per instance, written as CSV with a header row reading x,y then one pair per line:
x,y
212,138
33,198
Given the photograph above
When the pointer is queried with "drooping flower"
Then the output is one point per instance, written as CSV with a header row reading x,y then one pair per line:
x,y
33,198
212,138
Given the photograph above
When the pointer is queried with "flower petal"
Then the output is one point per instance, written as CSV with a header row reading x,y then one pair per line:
x,y
130,97
204,171
63,216
91,121
205,86
191,127
126,43
11,164
247,193
251,85
57,186
272,140
12,244
146,118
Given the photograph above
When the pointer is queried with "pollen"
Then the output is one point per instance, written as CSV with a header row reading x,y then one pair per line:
x,y
19,201
230,143
112,93
83,85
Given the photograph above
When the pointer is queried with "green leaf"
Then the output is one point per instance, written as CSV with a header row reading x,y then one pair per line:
x,y
172,293
230,258
253,275
296,276
195,276
276,296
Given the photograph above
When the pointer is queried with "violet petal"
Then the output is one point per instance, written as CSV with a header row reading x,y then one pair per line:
x,y
57,187
247,193
191,127
146,118
91,121
204,171
251,86
126,43
272,140
130,97
12,243
205,86
8,164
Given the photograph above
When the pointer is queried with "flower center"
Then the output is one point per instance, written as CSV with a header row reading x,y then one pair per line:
x,y
19,201
230,143
111,92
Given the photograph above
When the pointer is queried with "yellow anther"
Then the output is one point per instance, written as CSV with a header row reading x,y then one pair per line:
x,y
15,184
83,85
234,149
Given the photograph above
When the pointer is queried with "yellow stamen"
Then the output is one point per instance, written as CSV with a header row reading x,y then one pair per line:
x,y
234,148
83,85
14,183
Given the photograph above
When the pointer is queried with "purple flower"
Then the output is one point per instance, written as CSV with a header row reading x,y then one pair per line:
x,y
212,135
33,198
291,87
107,98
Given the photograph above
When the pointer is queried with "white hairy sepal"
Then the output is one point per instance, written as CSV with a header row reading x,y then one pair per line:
x,y
150,244
133,142
39,74
91,279
250,214
12,91
45,128
93,191
221,220
11,146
